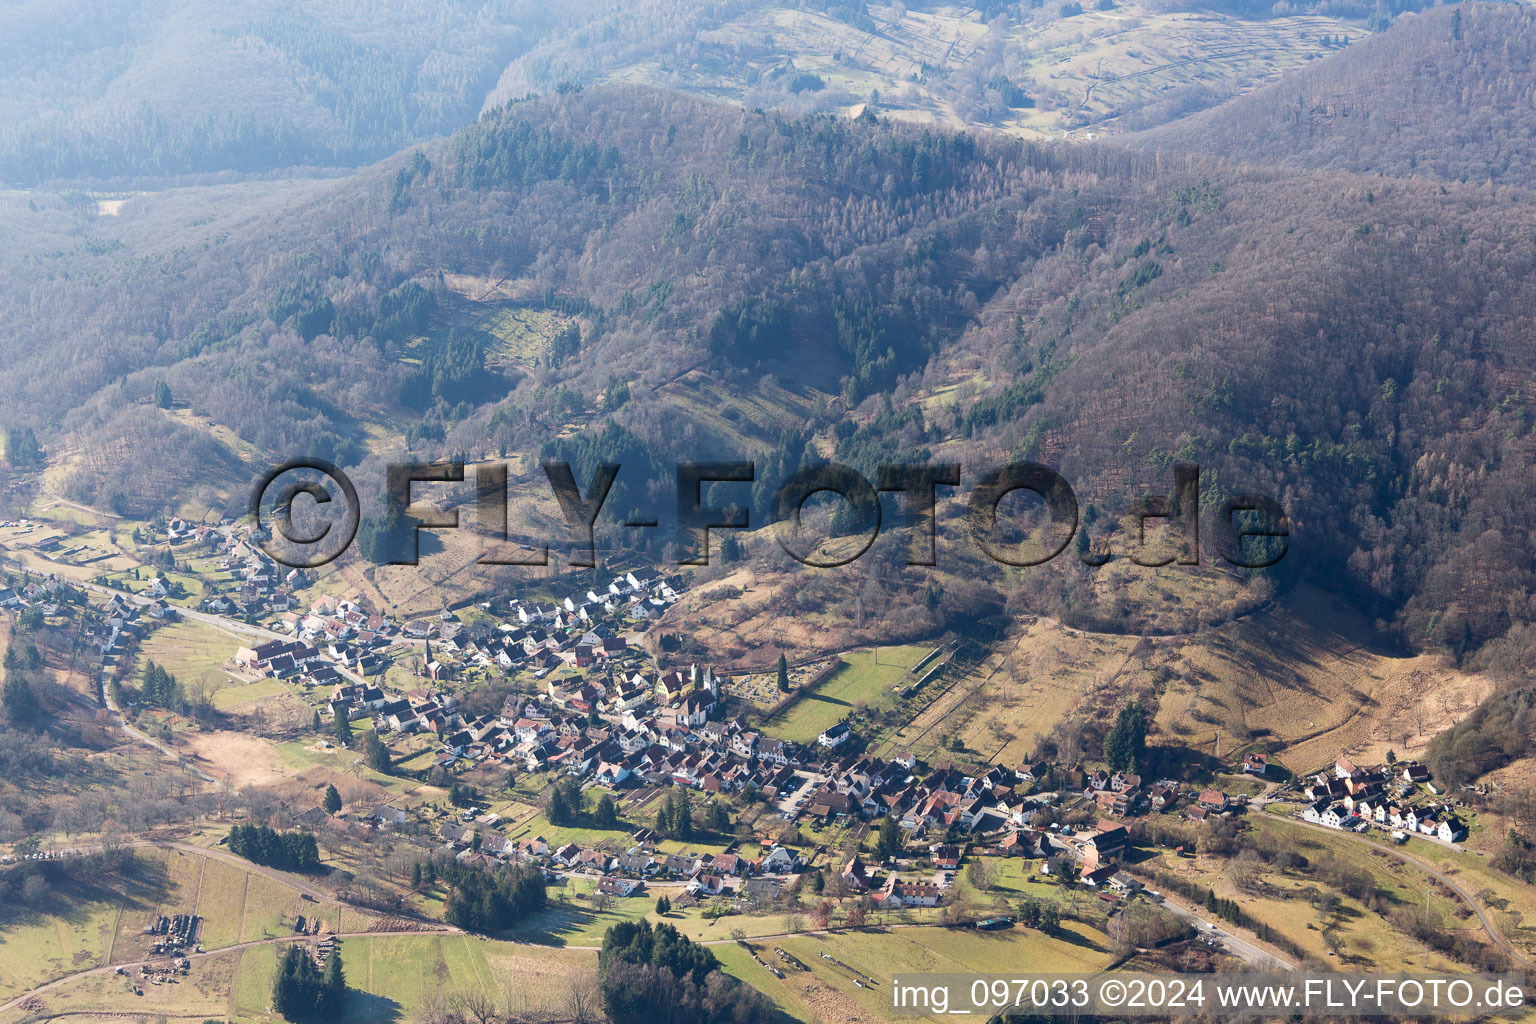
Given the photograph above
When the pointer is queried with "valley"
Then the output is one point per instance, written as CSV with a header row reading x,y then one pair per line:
x,y
1241,296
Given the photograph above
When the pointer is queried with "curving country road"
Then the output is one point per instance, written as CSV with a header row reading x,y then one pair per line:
x,y
292,881
1494,934
1238,946
134,965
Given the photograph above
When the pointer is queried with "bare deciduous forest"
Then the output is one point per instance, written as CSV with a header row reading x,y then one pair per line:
x,y
1321,293
1355,346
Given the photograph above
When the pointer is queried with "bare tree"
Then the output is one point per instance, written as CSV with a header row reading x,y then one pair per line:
x,y
514,998
581,998
476,1004
1248,871
436,1008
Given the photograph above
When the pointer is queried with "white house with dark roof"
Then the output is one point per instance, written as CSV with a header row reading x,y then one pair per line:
x,y
835,736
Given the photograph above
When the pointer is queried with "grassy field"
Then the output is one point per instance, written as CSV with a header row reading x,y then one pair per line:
x,y
747,618
298,765
48,946
827,992
390,977
97,928
527,826
195,654
559,835
999,710
1010,878
89,926
251,993
269,909
1511,903
735,962
739,420
202,995
221,904
865,679
1308,678
235,696
1353,931
570,920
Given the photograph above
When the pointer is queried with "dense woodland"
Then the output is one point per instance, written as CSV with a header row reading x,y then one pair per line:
x,y
128,91
1355,346
303,991
1446,94
492,901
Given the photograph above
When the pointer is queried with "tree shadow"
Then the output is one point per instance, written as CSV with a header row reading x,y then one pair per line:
x,y
560,923
1067,935
74,885
1186,763
367,1008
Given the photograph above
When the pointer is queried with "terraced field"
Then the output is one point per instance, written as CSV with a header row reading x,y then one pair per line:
x,y
865,679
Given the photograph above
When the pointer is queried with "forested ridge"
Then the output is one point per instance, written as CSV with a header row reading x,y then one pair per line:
x,y
1357,347
106,91
1449,93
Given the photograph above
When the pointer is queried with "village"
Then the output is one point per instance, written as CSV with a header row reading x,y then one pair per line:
x,y
598,718
1354,799
590,704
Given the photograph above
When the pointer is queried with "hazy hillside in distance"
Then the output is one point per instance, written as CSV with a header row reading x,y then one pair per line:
x,y
1450,93
1039,70
137,94
93,89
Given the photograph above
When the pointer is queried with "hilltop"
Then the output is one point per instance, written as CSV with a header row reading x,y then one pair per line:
x,y
632,275
1443,94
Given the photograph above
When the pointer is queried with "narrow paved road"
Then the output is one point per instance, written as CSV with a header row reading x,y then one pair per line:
x,y
134,965
292,881
1238,946
1482,917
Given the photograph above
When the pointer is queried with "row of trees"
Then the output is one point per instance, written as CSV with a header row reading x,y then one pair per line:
x,y
303,992
289,851
657,975
674,818
492,900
